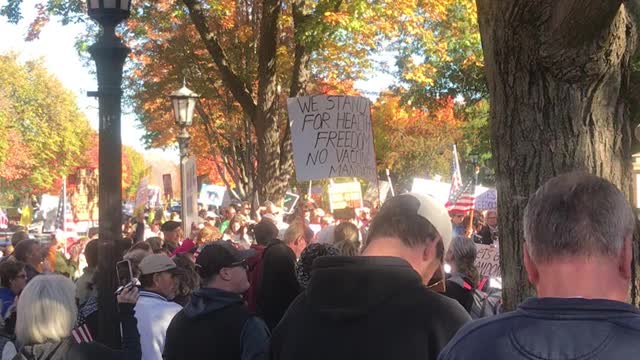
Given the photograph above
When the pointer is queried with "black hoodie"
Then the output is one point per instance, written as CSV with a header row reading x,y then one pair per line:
x,y
366,308
216,324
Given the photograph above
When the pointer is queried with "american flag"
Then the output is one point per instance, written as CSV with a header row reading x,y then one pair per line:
x,y
4,220
82,334
461,198
60,214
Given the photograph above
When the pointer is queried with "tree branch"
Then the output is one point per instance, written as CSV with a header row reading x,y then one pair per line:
x,y
237,87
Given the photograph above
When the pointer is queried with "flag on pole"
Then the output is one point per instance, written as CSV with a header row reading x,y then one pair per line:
x,y
461,197
60,223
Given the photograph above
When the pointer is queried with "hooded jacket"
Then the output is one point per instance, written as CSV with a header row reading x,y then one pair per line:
x,y
366,308
216,324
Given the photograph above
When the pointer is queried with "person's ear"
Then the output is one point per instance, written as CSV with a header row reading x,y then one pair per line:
x,y
532,269
156,278
430,251
625,258
225,274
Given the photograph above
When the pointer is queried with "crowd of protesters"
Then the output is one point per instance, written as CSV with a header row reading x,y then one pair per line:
x,y
365,285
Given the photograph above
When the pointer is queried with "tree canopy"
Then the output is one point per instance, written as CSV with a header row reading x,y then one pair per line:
x,y
45,134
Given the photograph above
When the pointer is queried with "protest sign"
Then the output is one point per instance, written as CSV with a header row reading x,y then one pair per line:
x,y
168,186
212,194
488,260
49,210
487,200
332,137
436,189
84,196
345,195
290,201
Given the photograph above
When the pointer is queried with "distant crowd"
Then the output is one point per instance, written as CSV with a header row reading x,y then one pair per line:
x,y
356,284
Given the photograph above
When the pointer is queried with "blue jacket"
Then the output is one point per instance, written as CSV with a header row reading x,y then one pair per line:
x,y
6,296
552,328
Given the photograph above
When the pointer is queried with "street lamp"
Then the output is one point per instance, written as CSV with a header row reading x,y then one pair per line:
x,y
184,103
109,53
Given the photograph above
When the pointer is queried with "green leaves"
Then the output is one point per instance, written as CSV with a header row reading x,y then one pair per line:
x,y
12,11
44,123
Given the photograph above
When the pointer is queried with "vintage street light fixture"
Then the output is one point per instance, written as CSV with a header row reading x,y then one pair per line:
x,y
184,103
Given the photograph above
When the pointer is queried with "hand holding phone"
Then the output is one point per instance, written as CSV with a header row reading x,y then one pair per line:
x,y
129,295
125,275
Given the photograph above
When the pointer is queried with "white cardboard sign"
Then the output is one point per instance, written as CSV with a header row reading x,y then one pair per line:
x,y
332,137
488,260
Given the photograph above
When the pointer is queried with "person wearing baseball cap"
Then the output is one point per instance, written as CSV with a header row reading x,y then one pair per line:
x,y
155,309
216,323
376,305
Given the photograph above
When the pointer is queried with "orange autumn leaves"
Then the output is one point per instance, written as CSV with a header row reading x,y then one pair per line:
x,y
412,141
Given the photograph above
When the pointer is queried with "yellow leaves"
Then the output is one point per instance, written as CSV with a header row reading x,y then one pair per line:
x,y
422,74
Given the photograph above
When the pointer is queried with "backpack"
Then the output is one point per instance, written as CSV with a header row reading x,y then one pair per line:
x,y
485,304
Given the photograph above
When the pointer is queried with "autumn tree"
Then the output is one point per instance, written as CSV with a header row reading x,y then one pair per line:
x,y
414,142
44,133
134,167
246,52
438,55
558,74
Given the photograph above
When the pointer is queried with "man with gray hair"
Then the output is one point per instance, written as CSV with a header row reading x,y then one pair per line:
x,y
577,253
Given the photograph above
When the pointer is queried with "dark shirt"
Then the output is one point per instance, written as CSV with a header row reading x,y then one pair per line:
x,y
370,308
460,289
279,285
31,272
216,324
552,328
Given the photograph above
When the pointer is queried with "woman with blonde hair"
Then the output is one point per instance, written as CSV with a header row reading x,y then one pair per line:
x,y
46,317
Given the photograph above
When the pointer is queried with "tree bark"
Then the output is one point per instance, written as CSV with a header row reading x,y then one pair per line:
x,y
273,144
273,178
557,74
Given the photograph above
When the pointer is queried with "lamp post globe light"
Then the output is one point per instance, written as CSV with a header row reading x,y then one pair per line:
x,y
109,53
184,104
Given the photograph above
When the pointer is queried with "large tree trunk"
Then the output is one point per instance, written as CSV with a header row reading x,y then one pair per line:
x,y
557,74
273,179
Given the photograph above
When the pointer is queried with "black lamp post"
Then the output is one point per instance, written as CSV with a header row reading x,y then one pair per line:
x,y
184,104
109,53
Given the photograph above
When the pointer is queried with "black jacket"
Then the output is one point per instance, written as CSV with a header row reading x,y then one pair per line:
x,y
461,289
216,324
279,285
366,308
69,350
551,328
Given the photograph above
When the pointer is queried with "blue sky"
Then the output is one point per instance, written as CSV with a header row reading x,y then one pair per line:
x,y
56,47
